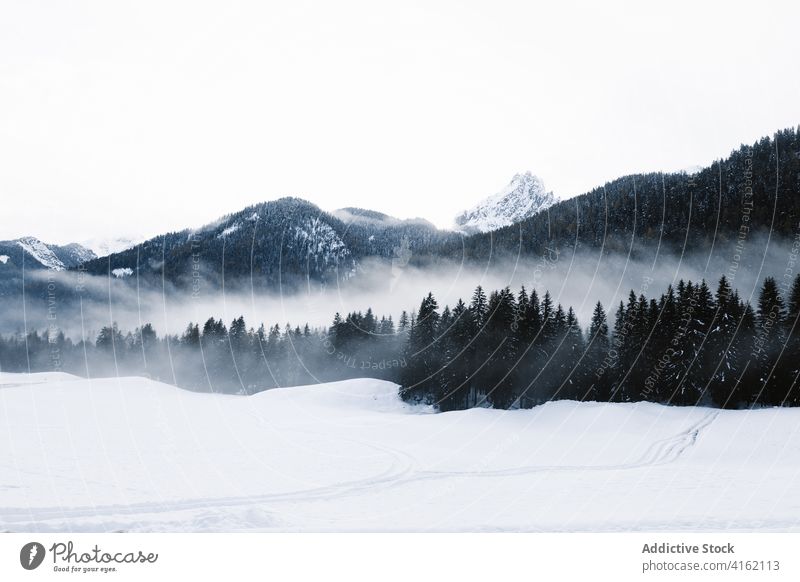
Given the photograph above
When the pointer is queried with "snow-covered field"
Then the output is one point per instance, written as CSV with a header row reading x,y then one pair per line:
x,y
137,455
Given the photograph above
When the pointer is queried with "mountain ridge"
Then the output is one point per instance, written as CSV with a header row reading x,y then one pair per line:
x,y
44,256
278,243
290,241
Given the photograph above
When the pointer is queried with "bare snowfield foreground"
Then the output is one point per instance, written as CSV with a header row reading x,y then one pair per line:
x,y
131,454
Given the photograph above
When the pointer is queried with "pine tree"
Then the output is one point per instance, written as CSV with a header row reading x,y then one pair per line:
x,y
531,340
596,377
403,322
748,386
109,339
722,359
237,334
666,366
459,360
789,365
572,349
628,337
638,371
502,342
191,337
769,341
479,306
523,328
793,306
696,374
534,314
445,320
368,324
421,382
548,327
619,347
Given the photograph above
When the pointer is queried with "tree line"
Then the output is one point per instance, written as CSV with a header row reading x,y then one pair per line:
x,y
688,346
216,357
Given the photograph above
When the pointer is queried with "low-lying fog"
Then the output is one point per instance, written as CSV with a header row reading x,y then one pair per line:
x,y
576,279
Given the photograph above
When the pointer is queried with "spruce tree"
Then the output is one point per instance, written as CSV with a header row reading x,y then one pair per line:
x,y
722,358
479,305
769,342
596,374
619,347
532,355
573,351
748,384
459,358
789,364
502,344
421,382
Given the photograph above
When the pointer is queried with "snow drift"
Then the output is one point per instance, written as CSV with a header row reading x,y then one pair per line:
x,y
133,454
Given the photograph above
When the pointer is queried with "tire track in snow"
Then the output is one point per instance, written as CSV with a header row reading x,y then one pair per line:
x,y
402,464
660,452
401,472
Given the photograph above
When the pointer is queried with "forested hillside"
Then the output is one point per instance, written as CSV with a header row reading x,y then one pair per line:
x,y
274,245
756,190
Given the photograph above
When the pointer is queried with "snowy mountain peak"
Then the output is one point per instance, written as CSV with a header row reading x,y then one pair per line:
x,y
523,197
41,252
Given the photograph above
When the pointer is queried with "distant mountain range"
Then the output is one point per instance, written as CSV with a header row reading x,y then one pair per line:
x,y
320,240
290,242
278,243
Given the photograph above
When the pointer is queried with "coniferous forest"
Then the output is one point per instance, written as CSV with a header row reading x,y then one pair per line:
x,y
692,345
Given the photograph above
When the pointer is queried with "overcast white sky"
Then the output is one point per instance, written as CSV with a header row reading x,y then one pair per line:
x,y
139,117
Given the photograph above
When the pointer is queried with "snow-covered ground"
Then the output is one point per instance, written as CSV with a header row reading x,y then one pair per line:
x,y
137,455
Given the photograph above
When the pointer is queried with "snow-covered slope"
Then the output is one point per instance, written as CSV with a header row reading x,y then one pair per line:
x,y
38,254
134,454
315,239
73,254
277,245
523,197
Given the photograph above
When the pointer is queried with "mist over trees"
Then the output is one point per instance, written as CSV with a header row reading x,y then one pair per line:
x,y
219,357
690,345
